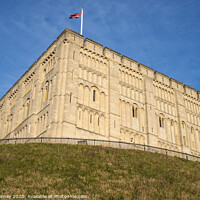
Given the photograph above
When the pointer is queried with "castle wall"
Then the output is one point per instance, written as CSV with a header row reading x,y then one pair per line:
x,y
80,89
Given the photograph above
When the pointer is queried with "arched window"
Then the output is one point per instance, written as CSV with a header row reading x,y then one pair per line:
x,y
94,93
161,121
94,96
183,125
70,98
134,110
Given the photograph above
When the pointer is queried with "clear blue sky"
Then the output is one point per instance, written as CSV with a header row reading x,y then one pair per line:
x,y
162,34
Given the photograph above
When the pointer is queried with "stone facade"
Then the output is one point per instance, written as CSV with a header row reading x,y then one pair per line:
x,y
78,89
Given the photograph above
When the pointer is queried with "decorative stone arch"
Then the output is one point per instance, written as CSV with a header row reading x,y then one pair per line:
x,y
85,59
85,119
137,82
159,91
102,124
79,117
27,107
142,119
183,125
80,93
81,58
176,132
126,77
91,120
89,61
130,79
102,103
86,95
46,91
96,122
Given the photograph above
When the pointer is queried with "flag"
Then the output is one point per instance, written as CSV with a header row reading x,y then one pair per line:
x,y
76,15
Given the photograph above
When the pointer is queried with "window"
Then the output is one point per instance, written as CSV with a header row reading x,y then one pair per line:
x,y
134,110
94,92
90,119
73,54
46,90
98,121
27,107
70,98
161,121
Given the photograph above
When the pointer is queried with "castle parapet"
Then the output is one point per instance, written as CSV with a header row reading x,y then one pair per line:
x,y
71,36
190,91
130,63
93,46
161,78
112,54
146,70
176,84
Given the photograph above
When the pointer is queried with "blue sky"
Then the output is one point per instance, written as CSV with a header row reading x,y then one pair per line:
x,y
164,35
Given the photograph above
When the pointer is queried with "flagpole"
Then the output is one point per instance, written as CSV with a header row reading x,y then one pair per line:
x,y
81,21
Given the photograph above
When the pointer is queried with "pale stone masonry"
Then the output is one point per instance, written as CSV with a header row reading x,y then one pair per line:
x,y
78,89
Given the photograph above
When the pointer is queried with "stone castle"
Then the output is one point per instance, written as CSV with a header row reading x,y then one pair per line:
x,y
79,89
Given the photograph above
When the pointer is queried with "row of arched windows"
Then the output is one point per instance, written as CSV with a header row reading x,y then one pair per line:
x,y
8,125
164,93
91,120
42,123
49,63
129,136
24,111
193,119
165,107
190,136
92,97
22,133
192,106
93,77
98,64
45,93
168,129
130,79
131,93
129,115
167,146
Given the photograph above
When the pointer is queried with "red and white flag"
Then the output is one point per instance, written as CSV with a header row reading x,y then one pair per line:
x,y
74,16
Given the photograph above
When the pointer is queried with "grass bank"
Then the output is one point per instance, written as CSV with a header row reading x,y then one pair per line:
x,y
98,172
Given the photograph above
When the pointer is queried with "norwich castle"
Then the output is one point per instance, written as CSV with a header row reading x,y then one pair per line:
x,y
79,89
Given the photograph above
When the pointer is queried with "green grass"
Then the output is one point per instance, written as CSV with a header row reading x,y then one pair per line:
x,y
98,172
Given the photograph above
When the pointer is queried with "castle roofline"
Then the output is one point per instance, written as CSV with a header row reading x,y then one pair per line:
x,y
129,59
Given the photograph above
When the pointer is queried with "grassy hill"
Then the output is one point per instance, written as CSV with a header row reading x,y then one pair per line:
x,y
98,172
